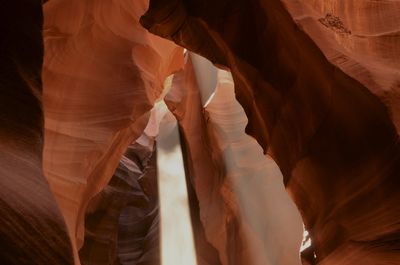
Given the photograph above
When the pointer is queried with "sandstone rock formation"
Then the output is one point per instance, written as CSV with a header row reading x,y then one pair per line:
x,y
271,224
319,84
102,72
32,230
212,217
215,140
332,136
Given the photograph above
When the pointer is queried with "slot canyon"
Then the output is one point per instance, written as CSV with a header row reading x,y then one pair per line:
x,y
199,132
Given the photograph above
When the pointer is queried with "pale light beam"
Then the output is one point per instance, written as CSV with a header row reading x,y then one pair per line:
x,y
177,244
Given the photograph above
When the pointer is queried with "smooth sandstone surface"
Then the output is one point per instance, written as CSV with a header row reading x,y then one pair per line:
x,y
362,38
240,214
102,72
319,82
273,229
324,122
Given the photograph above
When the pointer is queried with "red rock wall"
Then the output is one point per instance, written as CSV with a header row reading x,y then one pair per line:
x,y
243,206
32,230
333,138
367,50
319,81
102,72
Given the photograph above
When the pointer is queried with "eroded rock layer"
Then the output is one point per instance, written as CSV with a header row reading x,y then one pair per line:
x,y
333,138
271,224
220,155
32,230
318,80
102,73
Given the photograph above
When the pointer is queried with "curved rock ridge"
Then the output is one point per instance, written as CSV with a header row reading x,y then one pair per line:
x,y
216,149
271,222
330,131
319,86
102,73
210,215
32,230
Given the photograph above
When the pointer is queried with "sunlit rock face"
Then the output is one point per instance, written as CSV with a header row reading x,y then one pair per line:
x,y
32,230
317,81
271,224
220,155
102,72
228,225
329,122
214,222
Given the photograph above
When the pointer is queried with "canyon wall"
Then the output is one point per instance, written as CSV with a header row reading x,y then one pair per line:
x,y
319,82
32,229
332,132
101,75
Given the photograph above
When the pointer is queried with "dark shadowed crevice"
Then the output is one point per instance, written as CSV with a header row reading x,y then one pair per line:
x,y
121,221
32,230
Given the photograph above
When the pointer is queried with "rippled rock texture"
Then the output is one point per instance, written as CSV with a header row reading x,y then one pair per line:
x,y
319,82
101,75
32,230
220,155
325,119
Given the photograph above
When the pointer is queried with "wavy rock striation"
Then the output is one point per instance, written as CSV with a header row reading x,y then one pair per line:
x,y
271,224
331,133
319,82
32,230
102,73
217,152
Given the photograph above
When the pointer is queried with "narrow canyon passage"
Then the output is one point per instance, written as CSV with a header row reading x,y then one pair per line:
x,y
273,233
226,132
